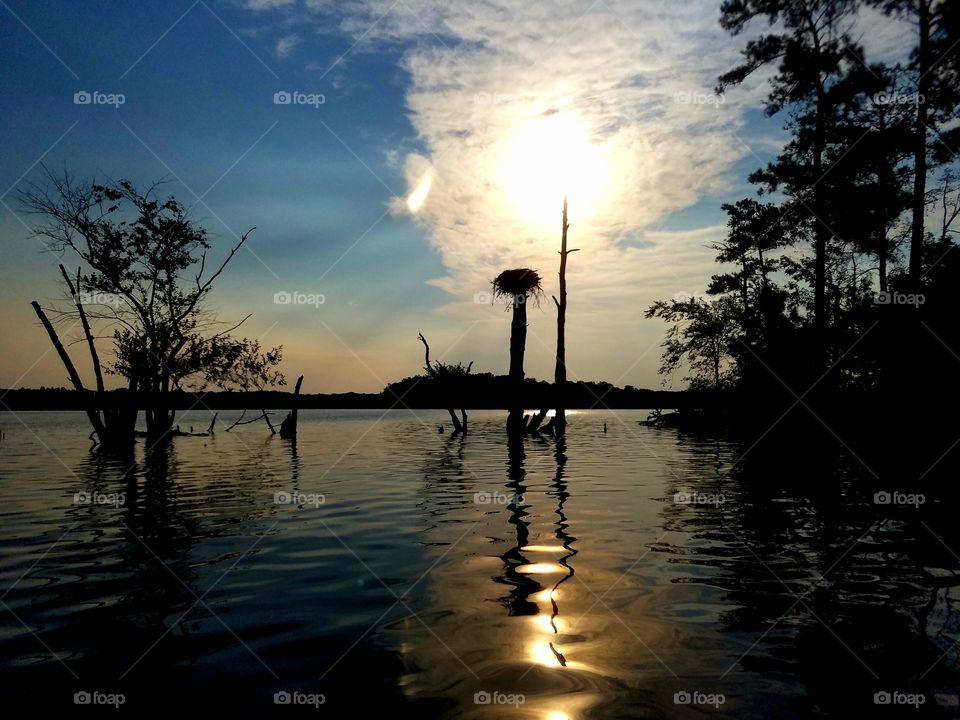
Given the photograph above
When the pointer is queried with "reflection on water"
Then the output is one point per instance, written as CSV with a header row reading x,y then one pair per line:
x,y
633,573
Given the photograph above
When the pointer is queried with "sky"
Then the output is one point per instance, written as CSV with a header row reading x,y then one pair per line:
x,y
395,156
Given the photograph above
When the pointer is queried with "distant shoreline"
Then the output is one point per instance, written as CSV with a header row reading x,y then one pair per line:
x,y
582,398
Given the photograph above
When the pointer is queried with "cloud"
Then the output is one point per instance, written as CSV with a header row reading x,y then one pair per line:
x,y
884,37
635,81
639,79
259,5
286,45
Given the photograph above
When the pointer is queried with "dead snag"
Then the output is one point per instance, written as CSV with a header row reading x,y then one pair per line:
x,y
92,413
445,375
288,428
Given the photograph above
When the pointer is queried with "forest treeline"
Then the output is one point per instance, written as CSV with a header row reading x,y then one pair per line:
x,y
480,391
838,275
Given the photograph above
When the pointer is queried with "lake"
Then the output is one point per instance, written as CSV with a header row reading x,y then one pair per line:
x,y
382,566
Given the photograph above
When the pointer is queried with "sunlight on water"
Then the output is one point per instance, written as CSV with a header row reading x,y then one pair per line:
x,y
373,550
543,548
540,568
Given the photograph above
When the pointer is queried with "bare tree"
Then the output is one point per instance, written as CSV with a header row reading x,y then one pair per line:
x,y
448,379
560,374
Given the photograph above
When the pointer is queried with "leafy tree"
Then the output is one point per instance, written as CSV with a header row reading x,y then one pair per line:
x,y
818,73
703,334
934,79
756,236
145,276
875,174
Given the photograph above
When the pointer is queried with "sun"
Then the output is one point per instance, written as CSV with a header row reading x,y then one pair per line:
x,y
548,157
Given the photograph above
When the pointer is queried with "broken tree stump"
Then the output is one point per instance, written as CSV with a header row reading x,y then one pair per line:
x,y
288,428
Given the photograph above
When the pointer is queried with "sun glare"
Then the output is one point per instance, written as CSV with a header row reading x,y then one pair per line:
x,y
416,199
548,157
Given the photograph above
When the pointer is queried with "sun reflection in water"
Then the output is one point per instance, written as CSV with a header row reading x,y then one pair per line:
x,y
542,654
543,548
541,568
546,623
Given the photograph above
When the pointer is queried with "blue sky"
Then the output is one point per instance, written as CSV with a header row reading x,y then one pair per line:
x,y
412,90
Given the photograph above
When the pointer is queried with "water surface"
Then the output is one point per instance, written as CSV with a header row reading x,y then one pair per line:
x,y
417,571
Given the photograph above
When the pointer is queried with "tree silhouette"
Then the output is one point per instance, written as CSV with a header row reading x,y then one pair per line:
x,y
703,334
449,379
518,286
817,69
146,279
560,372
932,78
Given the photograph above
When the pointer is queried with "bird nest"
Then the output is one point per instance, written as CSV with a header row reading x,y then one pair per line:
x,y
523,282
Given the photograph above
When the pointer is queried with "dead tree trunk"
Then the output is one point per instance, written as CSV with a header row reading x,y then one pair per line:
x,y
535,421
288,428
457,427
119,423
89,407
266,417
560,375
516,426
74,293
437,373
550,427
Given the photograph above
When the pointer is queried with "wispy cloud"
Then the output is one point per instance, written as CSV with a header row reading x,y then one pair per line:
x,y
269,4
639,78
287,45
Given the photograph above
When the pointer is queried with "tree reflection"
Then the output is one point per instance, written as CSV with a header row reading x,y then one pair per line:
x,y
523,585
823,584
